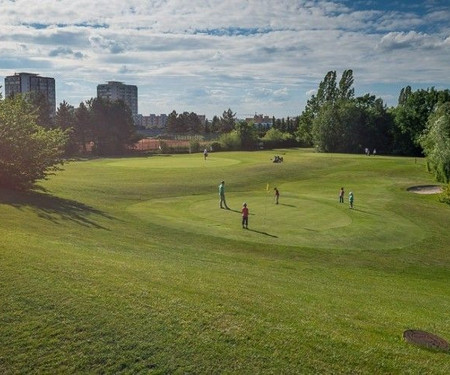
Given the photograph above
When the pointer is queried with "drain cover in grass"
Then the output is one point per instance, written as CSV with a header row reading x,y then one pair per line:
x,y
425,339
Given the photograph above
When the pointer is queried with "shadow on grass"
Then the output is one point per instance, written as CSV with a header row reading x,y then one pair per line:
x,y
53,208
287,205
264,233
363,211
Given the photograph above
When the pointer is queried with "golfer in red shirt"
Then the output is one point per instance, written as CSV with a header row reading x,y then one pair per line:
x,y
244,212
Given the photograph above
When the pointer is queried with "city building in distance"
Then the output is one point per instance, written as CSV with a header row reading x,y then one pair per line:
x,y
114,90
21,83
260,121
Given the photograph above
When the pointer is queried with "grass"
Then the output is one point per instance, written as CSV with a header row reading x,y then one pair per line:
x,y
129,266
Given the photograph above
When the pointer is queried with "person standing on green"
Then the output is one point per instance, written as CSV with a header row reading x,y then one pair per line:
x,y
222,201
350,199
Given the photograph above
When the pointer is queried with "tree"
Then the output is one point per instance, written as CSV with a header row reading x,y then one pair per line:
x,y
42,108
345,90
247,135
65,119
327,130
351,125
411,116
82,131
112,126
405,92
328,92
436,142
172,122
227,121
215,124
28,152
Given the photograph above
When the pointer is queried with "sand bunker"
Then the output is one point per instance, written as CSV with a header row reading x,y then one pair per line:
x,y
425,189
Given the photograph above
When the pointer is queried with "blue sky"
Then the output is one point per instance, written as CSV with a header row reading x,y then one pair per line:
x,y
205,56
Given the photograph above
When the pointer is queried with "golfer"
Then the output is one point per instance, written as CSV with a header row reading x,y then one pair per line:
x,y
277,195
222,202
244,212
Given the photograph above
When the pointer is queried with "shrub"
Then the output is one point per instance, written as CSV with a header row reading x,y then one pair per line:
x,y
216,146
194,146
445,195
230,141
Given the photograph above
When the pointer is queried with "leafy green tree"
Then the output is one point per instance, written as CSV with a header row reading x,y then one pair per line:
x,y
82,131
328,92
42,109
303,133
113,129
230,141
247,135
28,152
215,124
328,132
405,92
352,125
411,118
227,121
65,119
345,90
436,142
173,123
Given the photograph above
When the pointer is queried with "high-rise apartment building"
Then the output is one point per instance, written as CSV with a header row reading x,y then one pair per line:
x,y
21,83
119,91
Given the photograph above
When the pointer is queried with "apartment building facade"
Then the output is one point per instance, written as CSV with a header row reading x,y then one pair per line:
x,y
114,90
21,83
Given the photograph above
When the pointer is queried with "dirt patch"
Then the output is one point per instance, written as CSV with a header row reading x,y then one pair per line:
x,y
425,189
426,339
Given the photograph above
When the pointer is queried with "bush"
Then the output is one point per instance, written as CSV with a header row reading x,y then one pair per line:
x,y
216,146
275,138
230,141
445,195
194,146
28,152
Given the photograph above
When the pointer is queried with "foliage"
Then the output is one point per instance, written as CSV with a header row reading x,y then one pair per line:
x,y
276,138
230,141
444,197
82,131
112,126
328,93
194,145
216,146
66,119
247,135
436,142
42,109
227,121
184,123
411,116
28,152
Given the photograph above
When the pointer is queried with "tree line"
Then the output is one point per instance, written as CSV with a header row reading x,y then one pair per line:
x,y
33,144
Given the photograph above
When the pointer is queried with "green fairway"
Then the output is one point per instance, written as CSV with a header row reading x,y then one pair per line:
x,y
128,265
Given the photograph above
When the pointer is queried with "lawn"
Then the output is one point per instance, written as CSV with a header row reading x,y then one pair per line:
x,y
128,265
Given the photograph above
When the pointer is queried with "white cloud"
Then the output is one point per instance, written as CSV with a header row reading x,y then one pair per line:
x,y
257,52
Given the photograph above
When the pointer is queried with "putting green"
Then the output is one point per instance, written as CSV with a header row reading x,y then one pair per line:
x,y
296,221
173,161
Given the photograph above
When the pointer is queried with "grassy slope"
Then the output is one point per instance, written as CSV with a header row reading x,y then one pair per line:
x,y
112,272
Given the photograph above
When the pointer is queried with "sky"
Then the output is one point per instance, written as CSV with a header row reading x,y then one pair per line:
x,y
206,56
